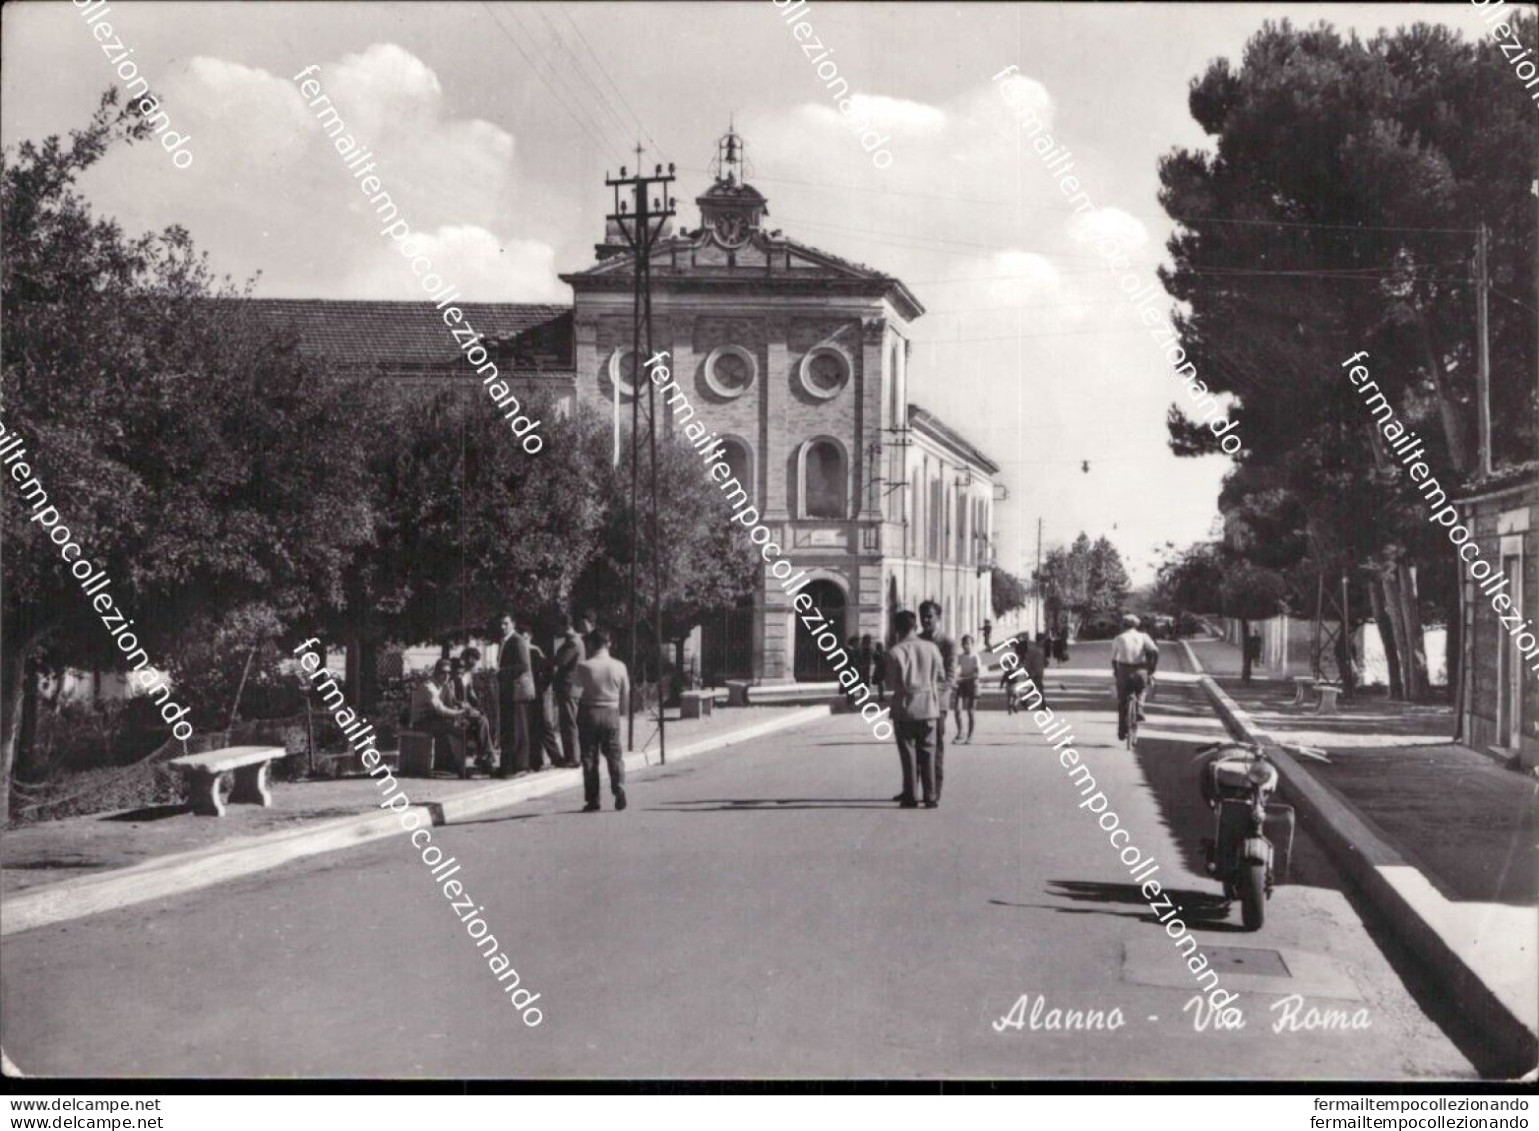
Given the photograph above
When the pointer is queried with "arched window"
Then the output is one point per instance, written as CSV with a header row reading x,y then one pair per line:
x,y
739,462
825,480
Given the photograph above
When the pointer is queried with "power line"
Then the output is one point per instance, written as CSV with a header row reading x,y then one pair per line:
x,y
613,86
583,73
582,124
576,95
905,238
1188,220
1514,301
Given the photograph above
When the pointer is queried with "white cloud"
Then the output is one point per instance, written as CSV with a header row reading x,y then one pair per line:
x,y
483,267
263,155
1109,223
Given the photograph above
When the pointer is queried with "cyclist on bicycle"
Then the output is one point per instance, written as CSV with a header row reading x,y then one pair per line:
x,y
1134,658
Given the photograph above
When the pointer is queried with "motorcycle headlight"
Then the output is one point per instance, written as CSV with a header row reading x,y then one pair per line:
x,y
1258,773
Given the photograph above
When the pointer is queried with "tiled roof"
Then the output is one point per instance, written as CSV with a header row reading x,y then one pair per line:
x,y
368,333
937,428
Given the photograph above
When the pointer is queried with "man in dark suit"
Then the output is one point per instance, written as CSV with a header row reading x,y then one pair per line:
x,y
515,693
545,743
570,651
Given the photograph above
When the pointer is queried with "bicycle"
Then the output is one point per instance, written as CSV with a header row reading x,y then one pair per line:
x,y
1136,692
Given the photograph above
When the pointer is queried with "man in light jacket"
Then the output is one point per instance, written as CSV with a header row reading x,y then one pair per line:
x,y
916,676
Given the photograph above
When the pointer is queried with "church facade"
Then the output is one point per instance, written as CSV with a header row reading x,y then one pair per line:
x,y
799,361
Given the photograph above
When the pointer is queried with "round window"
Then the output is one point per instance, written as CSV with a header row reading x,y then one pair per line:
x,y
824,371
729,371
622,369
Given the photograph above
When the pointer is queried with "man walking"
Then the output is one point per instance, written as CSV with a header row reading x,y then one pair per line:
x,y
569,653
603,684
929,622
916,677
516,698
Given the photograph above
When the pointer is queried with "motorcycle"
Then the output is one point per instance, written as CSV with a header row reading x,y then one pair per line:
x,y
1252,838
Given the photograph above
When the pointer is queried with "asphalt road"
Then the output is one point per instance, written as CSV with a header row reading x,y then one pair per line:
x,y
762,911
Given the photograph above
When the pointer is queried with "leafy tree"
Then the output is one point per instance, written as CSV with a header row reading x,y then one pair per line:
x,y
707,560
1085,581
1334,214
1190,581
466,524
135,396
1250,592
1008,591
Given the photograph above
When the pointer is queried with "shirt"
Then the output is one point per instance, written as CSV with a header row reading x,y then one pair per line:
x,y
948,651
427,704
1133,647
602,682
967,666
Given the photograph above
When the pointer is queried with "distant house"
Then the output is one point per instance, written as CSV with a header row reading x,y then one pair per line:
x,y
1499,702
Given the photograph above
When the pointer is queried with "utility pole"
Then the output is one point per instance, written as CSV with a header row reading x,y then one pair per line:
x,y
1036,585
639,222
1483,375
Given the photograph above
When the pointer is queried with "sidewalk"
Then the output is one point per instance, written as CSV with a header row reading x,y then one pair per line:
x,y
1439,838
41,856
1462,816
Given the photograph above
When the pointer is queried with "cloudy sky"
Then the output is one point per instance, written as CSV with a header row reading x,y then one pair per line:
x,y
494,125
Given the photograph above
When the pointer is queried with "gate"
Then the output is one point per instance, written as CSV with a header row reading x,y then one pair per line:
x,y
726,646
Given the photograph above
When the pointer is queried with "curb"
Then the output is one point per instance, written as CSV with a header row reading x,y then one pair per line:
x,y
1423,920
189,871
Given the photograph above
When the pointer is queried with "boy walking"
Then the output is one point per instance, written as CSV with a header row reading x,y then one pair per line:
x,y
967,689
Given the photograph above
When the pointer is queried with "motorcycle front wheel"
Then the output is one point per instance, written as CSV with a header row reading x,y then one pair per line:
x,y
1253,896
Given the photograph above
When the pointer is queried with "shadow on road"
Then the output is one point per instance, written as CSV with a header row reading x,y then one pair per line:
x,y
765,804
150,813
1200,910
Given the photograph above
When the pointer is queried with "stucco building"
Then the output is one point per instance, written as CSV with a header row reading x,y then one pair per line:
x,y
1499,702
799,358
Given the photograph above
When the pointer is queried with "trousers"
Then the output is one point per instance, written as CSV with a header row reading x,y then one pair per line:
x,y
517,737
1132,681
599,728
916,739
566,717
545,740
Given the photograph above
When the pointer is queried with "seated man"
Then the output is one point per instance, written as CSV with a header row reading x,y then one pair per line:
x,y
462,692
432,713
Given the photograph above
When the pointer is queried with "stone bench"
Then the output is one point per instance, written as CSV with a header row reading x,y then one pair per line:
x,y
1304,686
696,704
1327,703
206,772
